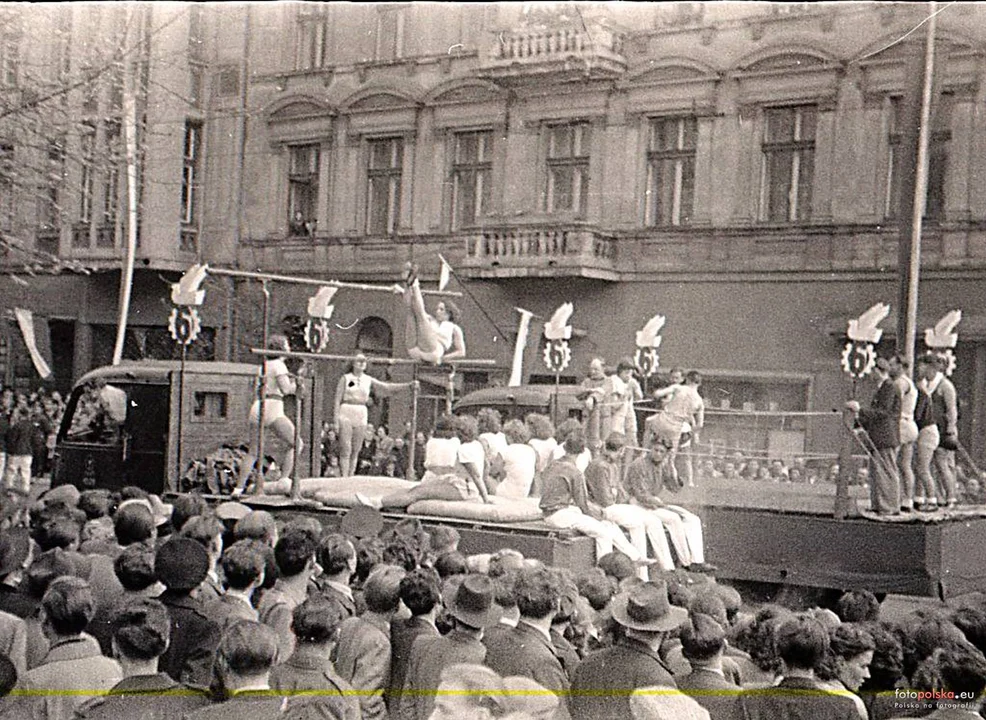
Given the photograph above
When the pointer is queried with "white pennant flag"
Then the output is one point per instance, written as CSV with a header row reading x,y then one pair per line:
x,y
445,274
25,319
517,369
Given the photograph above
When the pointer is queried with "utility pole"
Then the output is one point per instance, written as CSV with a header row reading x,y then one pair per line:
x,y
914,190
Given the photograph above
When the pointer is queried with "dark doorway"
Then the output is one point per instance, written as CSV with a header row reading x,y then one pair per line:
x,y
62,353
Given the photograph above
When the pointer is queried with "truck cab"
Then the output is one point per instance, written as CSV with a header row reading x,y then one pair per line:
x,y
141,423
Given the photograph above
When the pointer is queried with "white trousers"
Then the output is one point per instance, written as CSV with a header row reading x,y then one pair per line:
x,y
685,530
642,526
606,534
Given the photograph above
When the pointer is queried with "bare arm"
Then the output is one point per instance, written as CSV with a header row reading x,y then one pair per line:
x,y
389,387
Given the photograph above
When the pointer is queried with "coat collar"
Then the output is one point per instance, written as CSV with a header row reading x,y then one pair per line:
x,y
140,684
74,648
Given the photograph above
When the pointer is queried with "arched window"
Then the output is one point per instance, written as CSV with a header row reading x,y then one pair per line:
x,y
375,337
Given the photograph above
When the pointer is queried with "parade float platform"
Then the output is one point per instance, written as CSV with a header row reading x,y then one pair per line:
x,y
785,535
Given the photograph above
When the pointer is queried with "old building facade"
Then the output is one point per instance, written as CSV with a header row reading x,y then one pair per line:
x,y
735,167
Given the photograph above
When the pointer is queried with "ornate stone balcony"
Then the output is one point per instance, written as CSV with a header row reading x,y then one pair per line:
x,y
592,51
540,251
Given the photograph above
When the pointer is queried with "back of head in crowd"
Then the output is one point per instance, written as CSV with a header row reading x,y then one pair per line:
x,y
575,442
247,648
537,592
702,638
336,554
294,551
451,563
420,591
256,525
133,523
382,589
963,670
316,620
243,564
187,506
801,642
68,606
141,630
858,606
134,567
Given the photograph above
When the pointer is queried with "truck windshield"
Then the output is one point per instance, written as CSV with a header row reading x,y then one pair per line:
x,y
95,414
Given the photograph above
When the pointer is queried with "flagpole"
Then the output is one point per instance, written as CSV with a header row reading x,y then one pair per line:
x,y
130,138
920,191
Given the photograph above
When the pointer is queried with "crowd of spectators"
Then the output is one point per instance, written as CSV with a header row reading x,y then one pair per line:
x,y
119,605
28,425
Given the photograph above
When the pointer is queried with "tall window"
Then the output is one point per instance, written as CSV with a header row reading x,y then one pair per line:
x,y
788,163
106,235
191,166
310,52
670,189
568,168
7,186
383,197
390,33
303,189
937,158
472,177
48,200
88,139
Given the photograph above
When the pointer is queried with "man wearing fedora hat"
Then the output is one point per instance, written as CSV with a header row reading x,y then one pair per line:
x,y
604,680
471,610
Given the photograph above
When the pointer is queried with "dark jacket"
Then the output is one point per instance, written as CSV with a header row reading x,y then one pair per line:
x,y
431,654
616,671
881,419
712,691
305,670
195,635
148,697
525,651
403,633
779,703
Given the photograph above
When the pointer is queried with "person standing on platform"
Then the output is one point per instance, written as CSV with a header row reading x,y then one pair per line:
x,y
908,429
881,421
351,400
945,402
278,382
683,408
593,395
925,494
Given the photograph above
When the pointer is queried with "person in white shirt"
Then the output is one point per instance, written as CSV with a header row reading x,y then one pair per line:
x,y
684,408
908,429
278,382
432,339
519,462
351,400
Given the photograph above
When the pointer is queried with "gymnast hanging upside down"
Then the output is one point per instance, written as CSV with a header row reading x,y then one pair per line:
x,y
431,339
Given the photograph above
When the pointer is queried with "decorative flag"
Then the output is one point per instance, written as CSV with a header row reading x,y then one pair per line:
x,y
25,320
445,274
517,369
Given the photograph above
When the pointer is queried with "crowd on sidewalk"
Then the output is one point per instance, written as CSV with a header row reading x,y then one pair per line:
x,y
116,605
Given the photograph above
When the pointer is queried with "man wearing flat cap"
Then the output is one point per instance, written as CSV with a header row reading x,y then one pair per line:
x,y
471,610
606,678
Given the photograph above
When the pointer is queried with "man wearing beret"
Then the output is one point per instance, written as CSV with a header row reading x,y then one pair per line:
x,y
181,565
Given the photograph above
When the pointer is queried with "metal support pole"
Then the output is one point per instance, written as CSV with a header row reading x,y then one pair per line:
x,y
290,279
413,440
298,400
258,488
181,410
